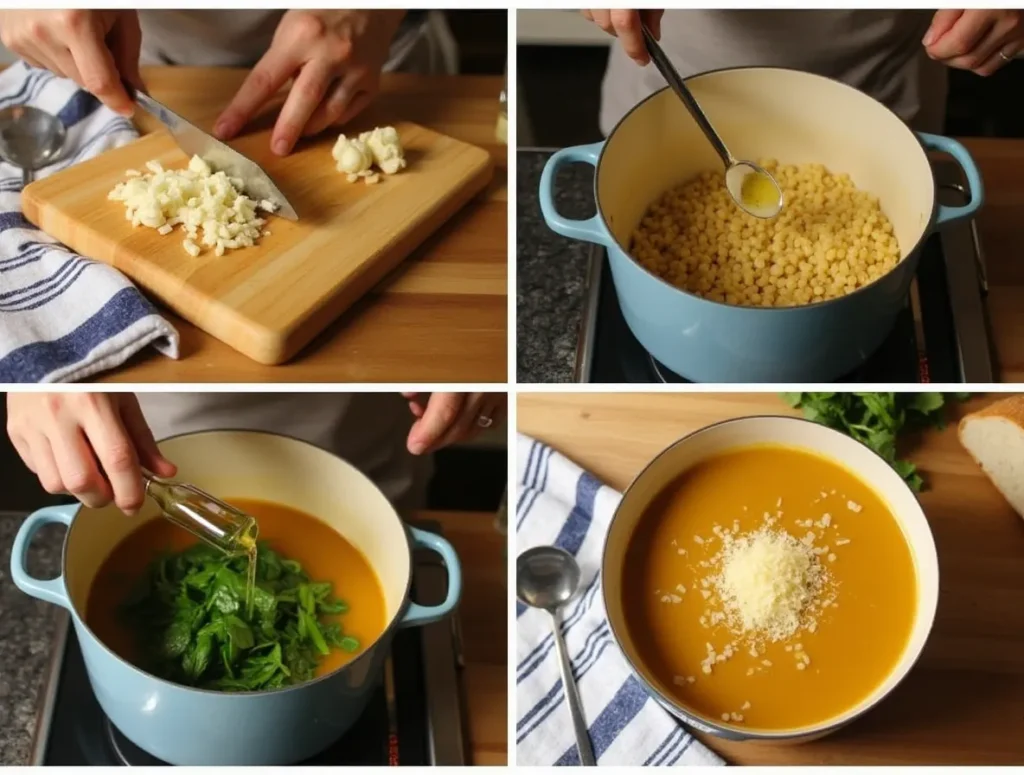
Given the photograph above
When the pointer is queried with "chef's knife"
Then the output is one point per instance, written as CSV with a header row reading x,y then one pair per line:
x,y
195,142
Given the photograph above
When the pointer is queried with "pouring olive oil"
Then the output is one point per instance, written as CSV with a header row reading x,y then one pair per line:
x,y
209,519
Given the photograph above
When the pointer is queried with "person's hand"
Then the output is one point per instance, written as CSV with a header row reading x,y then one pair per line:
x,y
625,25
95,49
976,40
336,58
91,445
445,418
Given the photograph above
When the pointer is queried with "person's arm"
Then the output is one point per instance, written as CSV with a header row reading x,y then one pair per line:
x,y
335,57
96,49
625,25
90,445
981,41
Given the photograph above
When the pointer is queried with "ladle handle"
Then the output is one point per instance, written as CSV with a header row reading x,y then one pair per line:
x,y
572,697
669,73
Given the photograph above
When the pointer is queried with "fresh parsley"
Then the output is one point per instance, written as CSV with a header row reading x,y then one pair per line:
x,y
190,615
876,419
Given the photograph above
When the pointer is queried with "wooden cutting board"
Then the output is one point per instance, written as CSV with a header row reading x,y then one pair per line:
x,y
964,701
270,300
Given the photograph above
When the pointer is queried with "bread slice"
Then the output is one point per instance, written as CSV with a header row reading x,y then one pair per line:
x,y
994,437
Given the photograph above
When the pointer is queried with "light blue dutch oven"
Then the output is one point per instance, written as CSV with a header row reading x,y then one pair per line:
x,y
797,118
187,726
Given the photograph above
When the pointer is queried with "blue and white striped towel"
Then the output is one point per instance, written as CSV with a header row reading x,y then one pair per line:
x,y
62,316
559,503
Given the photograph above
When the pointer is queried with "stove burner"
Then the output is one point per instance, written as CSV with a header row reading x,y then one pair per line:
x,y
663,372
125,751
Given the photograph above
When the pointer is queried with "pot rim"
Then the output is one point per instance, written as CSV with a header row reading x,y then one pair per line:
x,y
908,255
924,608
367,651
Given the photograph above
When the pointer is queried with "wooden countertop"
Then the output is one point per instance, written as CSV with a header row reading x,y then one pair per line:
x,y
440,317
964,701
483,617
1001,230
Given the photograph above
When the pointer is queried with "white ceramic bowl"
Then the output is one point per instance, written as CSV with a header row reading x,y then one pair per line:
x,y
789,432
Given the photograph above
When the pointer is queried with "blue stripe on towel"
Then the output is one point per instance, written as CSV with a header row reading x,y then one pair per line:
x,y
78,108
576,526
34,361
623,708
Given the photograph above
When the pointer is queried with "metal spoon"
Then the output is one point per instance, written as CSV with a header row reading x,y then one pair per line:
x,y
30,138
750,185
547,577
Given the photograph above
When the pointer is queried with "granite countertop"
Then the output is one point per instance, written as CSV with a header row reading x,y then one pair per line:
x,y
27,628
551,271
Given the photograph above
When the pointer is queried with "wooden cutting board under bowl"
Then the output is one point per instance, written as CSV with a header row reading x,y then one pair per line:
x,y
270,300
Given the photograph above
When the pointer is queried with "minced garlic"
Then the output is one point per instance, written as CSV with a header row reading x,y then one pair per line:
x,y
208,205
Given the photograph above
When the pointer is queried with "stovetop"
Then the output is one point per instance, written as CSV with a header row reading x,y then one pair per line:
x,y
941,334
413,718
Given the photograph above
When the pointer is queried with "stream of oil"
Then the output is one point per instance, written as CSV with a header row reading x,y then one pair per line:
x,y
247,545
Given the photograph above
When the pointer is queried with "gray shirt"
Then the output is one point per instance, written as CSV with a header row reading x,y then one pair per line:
x,y
877,51
368,430
238,38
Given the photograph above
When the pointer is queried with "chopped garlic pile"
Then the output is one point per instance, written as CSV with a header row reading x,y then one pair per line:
x,y
209,206
356,156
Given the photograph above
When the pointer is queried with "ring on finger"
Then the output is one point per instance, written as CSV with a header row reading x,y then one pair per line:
x,y
484,421
1005,57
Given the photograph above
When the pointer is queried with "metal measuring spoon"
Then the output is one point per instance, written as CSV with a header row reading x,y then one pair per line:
x,y
750,185
30,138
547,577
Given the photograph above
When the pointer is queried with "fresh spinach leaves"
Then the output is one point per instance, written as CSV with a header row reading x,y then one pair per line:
x,y
876,419
190,615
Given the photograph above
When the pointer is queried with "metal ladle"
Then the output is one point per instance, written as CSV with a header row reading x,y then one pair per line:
x,y
30,138
547,577
749,184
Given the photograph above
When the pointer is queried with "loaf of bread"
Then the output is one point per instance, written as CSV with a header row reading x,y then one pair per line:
x,y
994,437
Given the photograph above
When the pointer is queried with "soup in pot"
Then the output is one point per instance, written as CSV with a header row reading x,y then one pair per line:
x,y
337,585
769,588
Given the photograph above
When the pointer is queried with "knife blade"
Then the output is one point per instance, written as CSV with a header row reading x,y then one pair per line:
x,y
195,142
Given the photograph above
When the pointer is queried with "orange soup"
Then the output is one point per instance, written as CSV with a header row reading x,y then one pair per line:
x,y
768,588
323,553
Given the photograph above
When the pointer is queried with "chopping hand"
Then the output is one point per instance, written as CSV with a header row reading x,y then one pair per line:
x,y
98,50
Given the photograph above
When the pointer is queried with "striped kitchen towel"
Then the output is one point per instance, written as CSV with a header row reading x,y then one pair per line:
x,y
62,316
559,503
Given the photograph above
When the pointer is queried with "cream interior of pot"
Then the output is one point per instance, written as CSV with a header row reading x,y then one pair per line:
x,y
238,464
794,117
784,431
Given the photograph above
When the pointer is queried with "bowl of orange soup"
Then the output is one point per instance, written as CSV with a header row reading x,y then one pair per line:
x,y
313,509
768,578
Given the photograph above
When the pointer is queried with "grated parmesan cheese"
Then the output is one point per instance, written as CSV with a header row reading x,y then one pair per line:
x,y
767,580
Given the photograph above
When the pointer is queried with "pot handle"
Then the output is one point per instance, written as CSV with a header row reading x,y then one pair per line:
x,y
50,590
963,158
590,230
417,615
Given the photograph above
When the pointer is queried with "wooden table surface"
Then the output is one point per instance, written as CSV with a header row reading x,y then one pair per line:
x,y
483,617
964,701
440,317
1001,230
